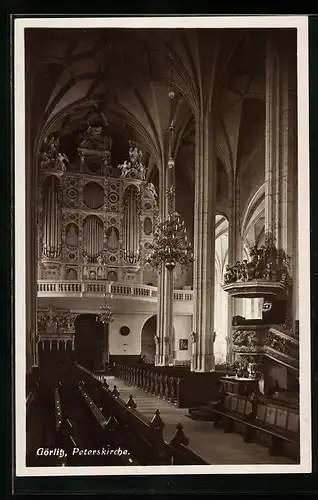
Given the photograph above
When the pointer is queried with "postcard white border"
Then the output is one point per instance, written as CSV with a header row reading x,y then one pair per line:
x,y
299,22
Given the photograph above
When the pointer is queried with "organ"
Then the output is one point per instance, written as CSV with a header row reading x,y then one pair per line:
x,y
92,214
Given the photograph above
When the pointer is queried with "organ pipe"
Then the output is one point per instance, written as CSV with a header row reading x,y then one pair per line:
x,y
93,236
131,226
51,219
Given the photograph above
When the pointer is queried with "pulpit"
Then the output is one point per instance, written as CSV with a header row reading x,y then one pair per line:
x,y
238,385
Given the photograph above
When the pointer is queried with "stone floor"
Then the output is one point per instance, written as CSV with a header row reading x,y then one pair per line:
x,y
211,444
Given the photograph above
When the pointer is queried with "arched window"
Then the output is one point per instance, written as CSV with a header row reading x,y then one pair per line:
x,y
221,299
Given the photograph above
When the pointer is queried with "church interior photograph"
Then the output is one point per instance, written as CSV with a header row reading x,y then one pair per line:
x,y
162,300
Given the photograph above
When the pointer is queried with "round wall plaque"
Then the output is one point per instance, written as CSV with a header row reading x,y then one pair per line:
x,y
124,330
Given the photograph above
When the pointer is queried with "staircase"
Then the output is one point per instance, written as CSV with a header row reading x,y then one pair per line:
x,y
202,412
282,345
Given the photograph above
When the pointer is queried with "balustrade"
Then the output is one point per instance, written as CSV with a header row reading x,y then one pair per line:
x,y
163,385
100,287
95,287
182,295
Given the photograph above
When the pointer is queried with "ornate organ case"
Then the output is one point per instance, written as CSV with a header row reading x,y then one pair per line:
x,y
92,215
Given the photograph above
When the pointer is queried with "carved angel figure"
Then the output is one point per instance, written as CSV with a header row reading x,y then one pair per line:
x,y
51,154
62,159
142,171
135,156
52,148
124,167
151,190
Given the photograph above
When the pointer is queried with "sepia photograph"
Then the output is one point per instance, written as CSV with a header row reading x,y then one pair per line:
x,y
162,246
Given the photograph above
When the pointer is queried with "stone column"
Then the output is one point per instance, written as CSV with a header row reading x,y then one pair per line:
x,y
164,346
106,345
204,245
160,344
168,317
234,305
281,147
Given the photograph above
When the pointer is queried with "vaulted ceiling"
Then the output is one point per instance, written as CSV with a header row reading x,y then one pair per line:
x,y
123,75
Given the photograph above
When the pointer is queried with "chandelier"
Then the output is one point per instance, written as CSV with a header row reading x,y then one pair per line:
x,y
105,315
170,244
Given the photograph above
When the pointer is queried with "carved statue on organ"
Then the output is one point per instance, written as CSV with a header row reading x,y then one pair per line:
x,y
51,156
133,169
151,190
95,139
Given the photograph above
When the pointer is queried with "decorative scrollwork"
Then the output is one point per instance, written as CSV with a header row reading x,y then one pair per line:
x,y
55,322
248,366
281,344
245,338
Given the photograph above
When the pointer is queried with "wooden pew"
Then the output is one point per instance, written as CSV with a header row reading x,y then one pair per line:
x,y
108,434
90,432
179,453
33,422
145,437
67,435
260,421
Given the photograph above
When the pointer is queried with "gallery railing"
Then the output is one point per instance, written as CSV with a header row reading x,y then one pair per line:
x,y
45,287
